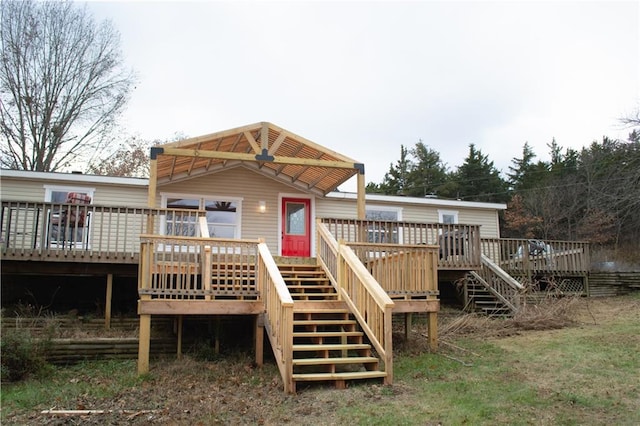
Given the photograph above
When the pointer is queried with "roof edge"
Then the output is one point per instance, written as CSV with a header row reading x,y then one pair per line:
x,y
416,200
74,177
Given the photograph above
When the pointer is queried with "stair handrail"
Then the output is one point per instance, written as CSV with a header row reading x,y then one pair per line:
x,y
278,313
367,301
512,282
502,285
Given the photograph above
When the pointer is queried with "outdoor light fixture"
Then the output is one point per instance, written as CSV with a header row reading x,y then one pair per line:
x,y
262,206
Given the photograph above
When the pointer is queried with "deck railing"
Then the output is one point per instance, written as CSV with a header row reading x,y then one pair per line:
x,y
62,231
366,299
279,313
401,269
459,244
521,257
184,268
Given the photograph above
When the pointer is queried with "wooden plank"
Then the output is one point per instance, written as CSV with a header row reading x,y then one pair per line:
x,y
341,360
402,306
107,307
200,307
354,375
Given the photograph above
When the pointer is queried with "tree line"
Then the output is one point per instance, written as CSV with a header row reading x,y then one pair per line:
x,y
590,194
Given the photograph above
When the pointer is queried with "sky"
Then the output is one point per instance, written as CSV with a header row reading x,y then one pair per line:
x,y
363,78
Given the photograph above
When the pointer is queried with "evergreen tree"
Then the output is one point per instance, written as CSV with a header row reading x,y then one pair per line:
x,y
428,173
478,180
396,180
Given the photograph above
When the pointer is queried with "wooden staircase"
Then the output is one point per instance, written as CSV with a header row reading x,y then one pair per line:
x,y
328,345
479,298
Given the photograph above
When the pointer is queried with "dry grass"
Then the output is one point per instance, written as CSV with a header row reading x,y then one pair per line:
x,y
548,314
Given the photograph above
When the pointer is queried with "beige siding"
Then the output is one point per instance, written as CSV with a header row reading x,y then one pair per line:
x,y
106,194
237,182
252,188
346,208
99,224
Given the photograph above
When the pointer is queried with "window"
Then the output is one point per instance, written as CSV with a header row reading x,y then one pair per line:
x,y
69,218
380,231
222,213
448,217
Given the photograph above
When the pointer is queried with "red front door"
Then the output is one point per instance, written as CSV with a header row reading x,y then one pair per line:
x,y
296,227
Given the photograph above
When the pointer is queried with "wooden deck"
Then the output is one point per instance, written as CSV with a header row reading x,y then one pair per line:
x,y
373,269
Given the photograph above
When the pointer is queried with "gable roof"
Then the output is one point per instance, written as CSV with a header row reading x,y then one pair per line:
x,y
263,147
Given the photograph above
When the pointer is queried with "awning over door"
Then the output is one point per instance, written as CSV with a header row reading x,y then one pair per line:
x,y
264,147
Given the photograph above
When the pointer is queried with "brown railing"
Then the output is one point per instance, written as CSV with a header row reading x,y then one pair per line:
x,y
367,301
185,268
521,257
279,314
502,285
92,233
459,245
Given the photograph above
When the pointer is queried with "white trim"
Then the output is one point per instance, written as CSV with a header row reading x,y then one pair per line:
x,y
385,208
312,200
442,213
201,198
394,199
74,177
48,189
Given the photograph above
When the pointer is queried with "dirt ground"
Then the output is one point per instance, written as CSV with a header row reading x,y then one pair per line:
x,y
234,391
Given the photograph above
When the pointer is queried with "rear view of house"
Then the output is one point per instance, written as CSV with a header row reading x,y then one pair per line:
x,y
249,222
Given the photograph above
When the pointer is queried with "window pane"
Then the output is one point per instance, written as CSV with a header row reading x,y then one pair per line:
x,y
183,203
295,223
448,219
382,232
221,211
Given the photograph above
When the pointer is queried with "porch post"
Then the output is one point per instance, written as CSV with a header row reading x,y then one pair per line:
x,y
179,349
107,303
259,330
432,328
361,192
144,344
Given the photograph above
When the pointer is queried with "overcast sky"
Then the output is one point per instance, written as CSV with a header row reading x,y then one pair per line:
x,y
363,78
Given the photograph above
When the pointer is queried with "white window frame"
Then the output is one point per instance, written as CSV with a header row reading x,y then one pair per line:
x,y
443,213
85,241
383,208
202,198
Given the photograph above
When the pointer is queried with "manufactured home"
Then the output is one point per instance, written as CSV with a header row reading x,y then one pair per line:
x,y
250,221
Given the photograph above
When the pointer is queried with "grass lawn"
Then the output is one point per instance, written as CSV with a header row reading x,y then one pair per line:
x,y
587,373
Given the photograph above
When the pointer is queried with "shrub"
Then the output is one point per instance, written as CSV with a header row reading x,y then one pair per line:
x,y
21,355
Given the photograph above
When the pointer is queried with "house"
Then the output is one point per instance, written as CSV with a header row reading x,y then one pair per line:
x,y
249,221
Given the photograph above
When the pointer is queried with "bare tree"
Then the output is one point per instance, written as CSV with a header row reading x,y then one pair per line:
x,y
62,84
130,159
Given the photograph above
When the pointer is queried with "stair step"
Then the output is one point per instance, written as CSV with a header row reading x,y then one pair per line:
x,y
331,347
310,286
327,333
327,307
341,360
324,322
355,375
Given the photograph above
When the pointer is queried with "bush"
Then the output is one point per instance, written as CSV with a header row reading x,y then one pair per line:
x,y
21,355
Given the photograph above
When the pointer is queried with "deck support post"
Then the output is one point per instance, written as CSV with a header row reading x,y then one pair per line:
x,y
144,344
107,303
216,348
179,346
259,347
408,320
432,330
